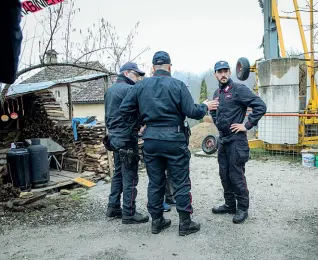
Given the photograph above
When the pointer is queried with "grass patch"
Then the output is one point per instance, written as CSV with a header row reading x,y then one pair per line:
x,y
78,194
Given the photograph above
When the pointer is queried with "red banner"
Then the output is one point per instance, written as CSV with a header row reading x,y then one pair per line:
x,y
32,6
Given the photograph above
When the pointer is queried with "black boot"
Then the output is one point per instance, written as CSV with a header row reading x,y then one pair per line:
x,y
114,212
186,225
135,219
159,224
240,216
224,209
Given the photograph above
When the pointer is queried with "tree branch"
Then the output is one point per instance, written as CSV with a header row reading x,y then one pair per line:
x,y
90,52
141,53
52,30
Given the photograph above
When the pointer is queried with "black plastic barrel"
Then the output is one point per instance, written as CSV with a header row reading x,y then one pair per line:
x,y
19,168
39,164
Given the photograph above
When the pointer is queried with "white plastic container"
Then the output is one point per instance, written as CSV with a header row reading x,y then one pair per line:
x,y
308,159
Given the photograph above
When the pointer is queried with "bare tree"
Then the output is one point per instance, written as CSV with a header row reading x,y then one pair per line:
x,y
120,52
54,16
111,49
66,36
100,39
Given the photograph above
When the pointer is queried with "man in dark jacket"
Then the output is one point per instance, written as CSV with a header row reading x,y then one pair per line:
x,y
163,103
124,142
11,39
233,149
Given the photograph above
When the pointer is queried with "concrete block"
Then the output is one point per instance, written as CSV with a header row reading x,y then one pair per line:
x,y
281,99
275,72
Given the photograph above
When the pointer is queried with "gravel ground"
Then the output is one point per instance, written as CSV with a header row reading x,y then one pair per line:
x,y
283,222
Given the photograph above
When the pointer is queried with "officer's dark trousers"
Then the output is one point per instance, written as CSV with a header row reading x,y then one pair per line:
x,y
160,155
232,157
169,188
124,181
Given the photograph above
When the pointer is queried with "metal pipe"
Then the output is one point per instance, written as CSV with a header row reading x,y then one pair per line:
x,y
289,115
312,61
313,103
301,30
312,106
288,17
279,28
312,31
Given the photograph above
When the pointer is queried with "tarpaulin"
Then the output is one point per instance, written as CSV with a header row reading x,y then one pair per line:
x,y
80,121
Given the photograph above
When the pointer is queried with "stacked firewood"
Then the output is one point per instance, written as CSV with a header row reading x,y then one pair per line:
x,y
96,156
3,160
87,153
43,118
7,191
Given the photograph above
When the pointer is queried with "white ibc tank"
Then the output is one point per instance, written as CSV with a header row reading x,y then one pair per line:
x,y
278,81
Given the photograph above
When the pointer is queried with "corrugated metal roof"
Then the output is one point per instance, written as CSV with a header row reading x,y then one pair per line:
x,y
21,89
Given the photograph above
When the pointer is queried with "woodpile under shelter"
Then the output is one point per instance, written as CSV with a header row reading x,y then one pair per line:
x,y
30,110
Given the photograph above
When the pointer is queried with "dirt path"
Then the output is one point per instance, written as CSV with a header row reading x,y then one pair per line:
x,y
283,222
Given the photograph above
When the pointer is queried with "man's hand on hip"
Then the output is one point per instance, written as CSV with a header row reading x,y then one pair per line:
x,y
238,128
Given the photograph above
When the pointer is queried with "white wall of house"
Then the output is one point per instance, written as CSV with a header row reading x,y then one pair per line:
x,y
84,110
61,97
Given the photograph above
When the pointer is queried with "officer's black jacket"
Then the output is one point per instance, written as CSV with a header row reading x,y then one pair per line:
x,y
161,101
113,98
11,38
234,99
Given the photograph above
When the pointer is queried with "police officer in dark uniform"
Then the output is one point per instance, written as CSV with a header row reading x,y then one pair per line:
x,y
163,103
11,39
233,149
124,142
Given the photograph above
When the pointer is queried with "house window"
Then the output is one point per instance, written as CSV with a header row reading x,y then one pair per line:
x,y
57,94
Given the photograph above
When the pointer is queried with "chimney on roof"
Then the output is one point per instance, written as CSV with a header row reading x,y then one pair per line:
x,y
51,56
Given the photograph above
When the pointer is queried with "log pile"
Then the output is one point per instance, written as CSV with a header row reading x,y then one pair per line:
x,y
7,191
140,146
11,137
96,157
3,163
85,154
42,119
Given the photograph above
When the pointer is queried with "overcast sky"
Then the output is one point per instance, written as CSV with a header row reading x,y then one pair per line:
x,y
195,33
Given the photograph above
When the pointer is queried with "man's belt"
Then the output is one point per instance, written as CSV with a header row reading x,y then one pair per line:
x,y
175,129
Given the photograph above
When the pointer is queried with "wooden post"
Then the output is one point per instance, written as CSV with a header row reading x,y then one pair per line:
x,y
106,83
70,105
